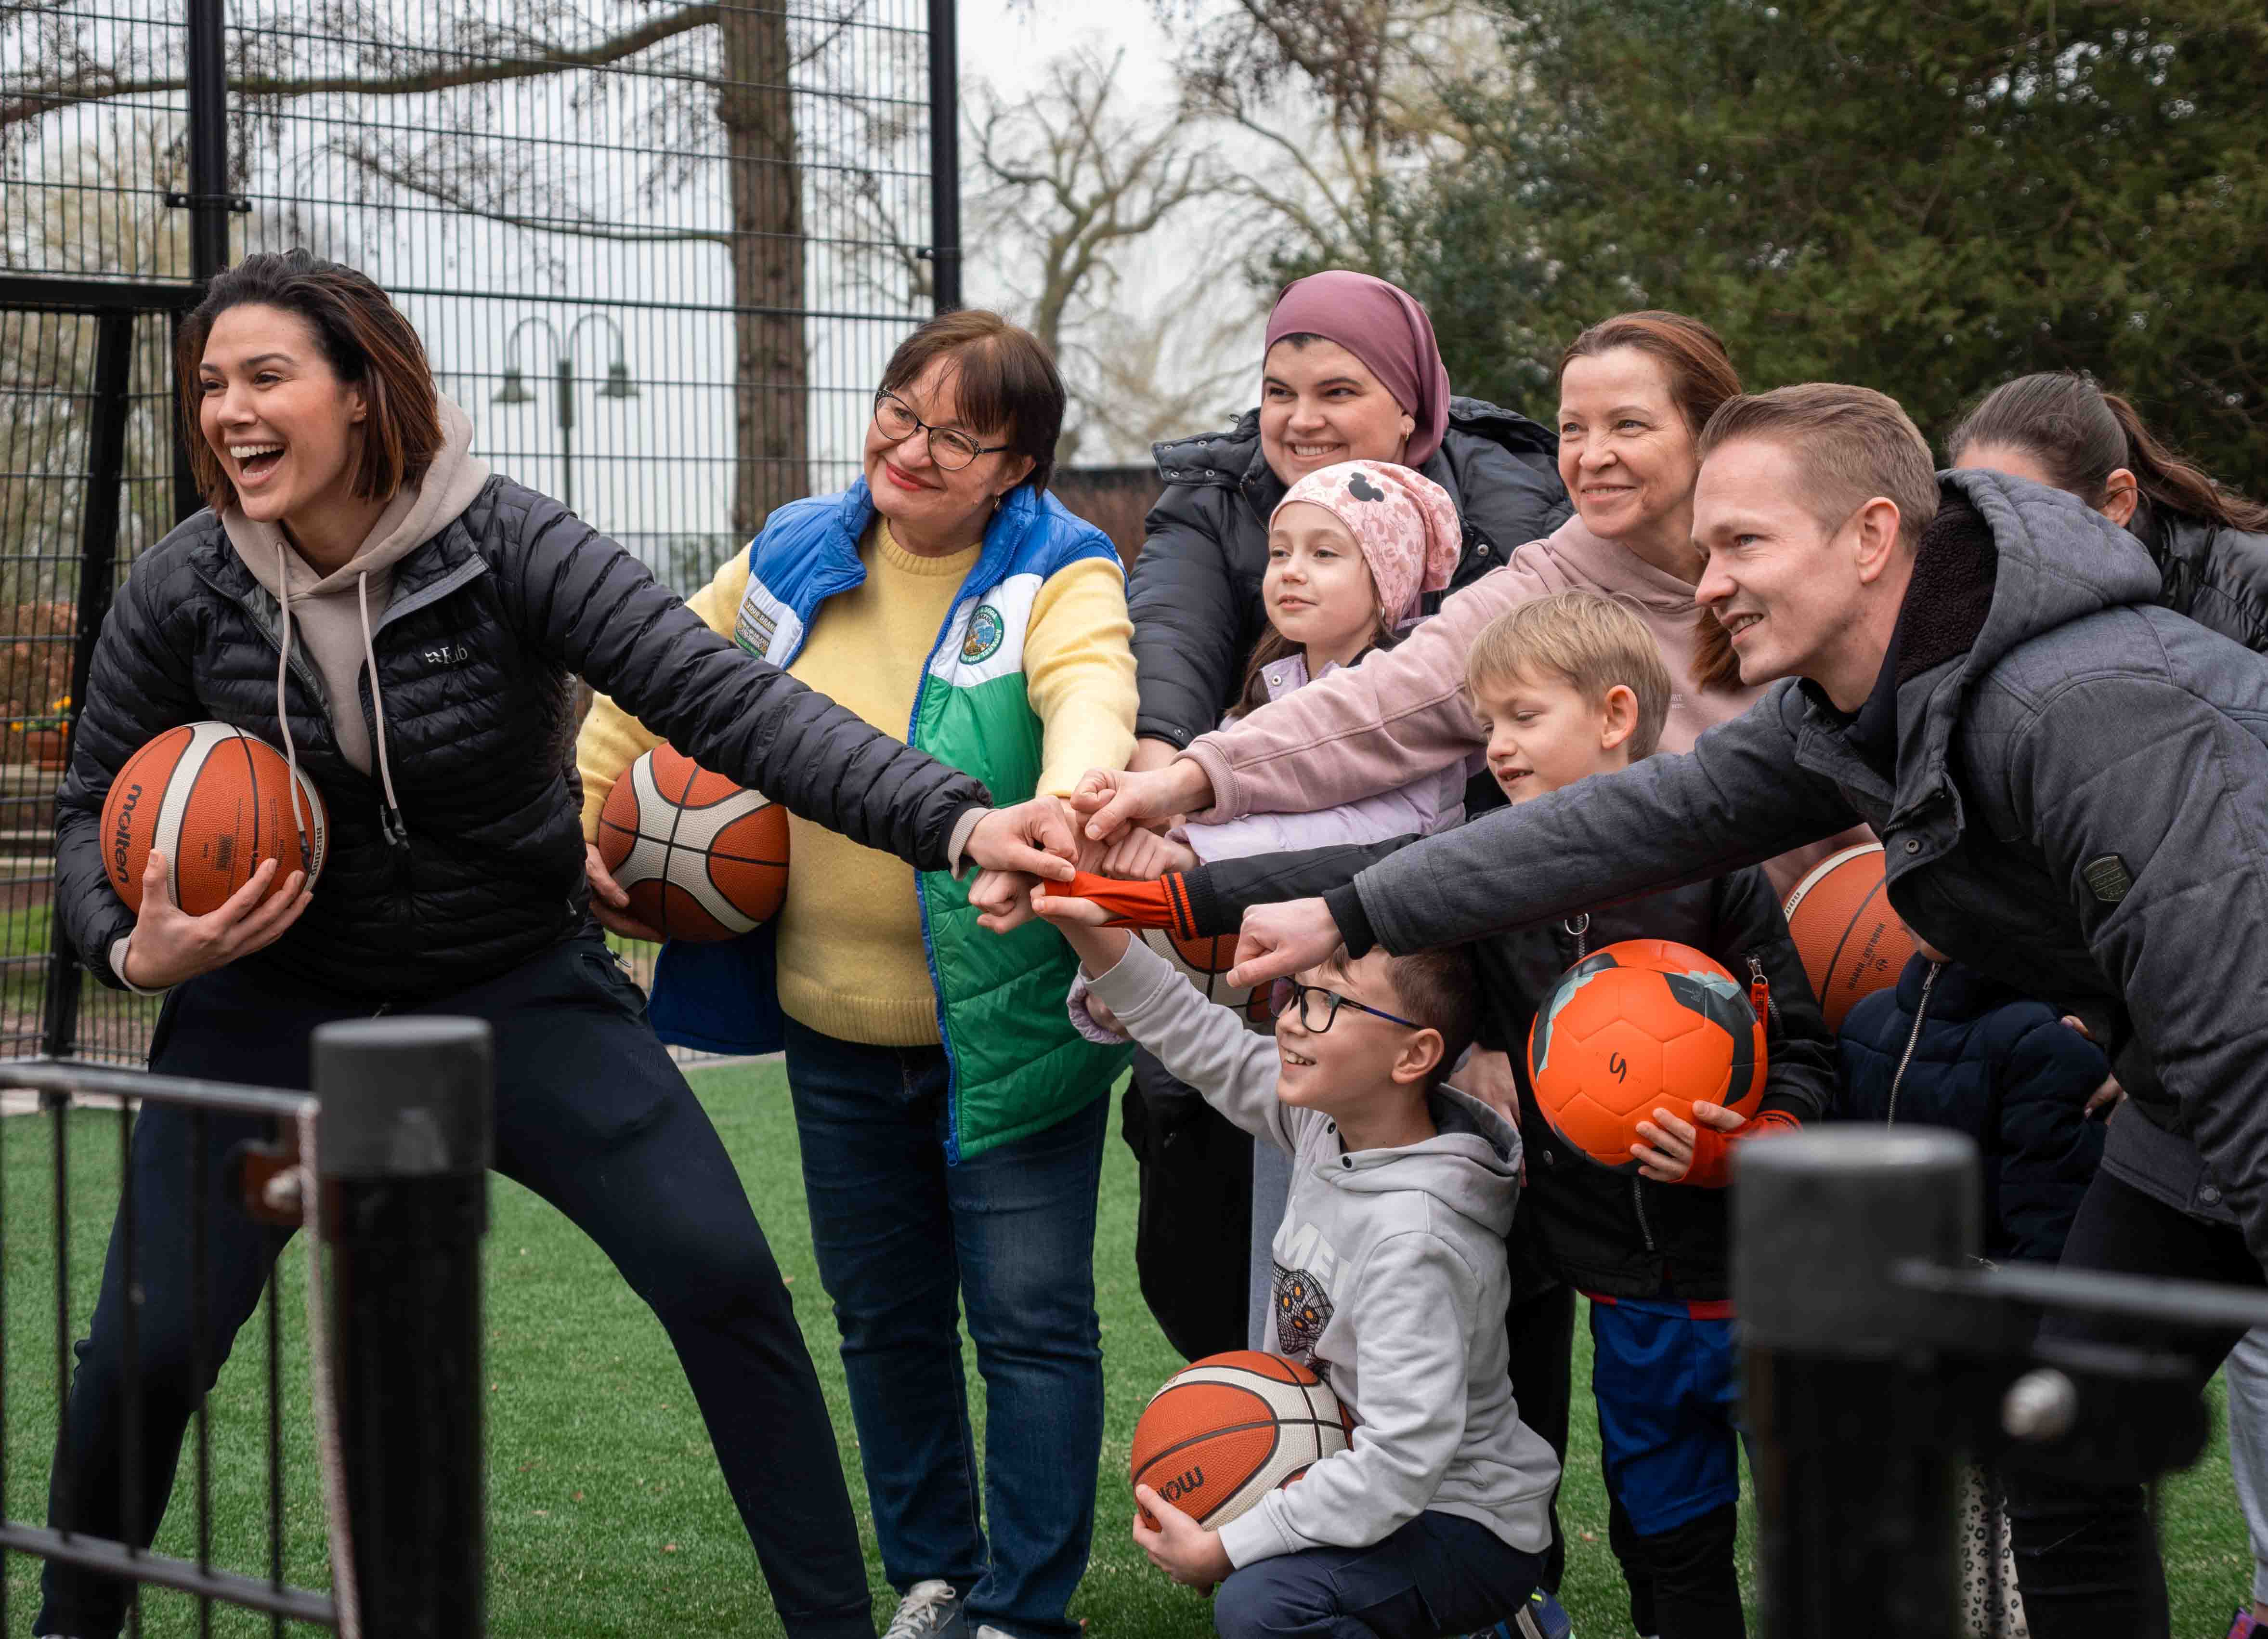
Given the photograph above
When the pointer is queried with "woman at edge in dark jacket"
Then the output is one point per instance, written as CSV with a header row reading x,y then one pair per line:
x,y
2210,544
408,626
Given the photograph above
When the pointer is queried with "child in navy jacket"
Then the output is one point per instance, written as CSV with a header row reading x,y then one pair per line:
x,y
1948,1047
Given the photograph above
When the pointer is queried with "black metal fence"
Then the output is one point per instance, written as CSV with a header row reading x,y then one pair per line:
x,y
1881,1358
658,253
385,1165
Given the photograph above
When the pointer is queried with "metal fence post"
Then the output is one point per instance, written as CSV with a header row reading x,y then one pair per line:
x,y
945,153
404,1142
1856,1463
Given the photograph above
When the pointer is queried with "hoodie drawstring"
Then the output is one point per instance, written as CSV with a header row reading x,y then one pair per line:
x,y
282,717
396,832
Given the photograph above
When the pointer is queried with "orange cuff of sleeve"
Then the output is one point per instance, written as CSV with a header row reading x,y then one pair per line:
x,y
1130,904
1712,1151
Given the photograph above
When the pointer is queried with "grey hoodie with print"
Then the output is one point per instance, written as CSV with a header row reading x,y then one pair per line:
x,y
1391,1284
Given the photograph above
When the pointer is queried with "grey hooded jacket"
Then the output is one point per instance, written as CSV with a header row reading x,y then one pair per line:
x,y
1391,1284
2079,807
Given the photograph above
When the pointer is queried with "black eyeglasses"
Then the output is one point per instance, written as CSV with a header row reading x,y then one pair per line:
x,y
1288,993
949,449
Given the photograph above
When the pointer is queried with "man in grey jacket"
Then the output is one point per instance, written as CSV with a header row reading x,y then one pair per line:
x,y
2069,782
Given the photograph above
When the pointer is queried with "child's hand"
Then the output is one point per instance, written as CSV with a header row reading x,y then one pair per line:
x,y
2107,1097
1670,1146
1180,1546
1144,856
1081,922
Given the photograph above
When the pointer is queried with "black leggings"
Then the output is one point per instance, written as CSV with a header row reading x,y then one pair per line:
x,y
593,1116
2086,1557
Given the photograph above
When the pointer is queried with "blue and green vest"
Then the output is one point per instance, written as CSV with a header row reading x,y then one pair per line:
x,y
1017,1065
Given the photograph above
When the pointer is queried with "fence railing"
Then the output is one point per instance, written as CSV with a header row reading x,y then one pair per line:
x,y
384,1167
1881,1355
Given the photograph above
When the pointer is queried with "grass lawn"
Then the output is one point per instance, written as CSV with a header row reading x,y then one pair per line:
x,y
606,1514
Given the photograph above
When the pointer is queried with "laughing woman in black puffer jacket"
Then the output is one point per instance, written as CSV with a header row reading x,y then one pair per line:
x,y
2211,543
407,627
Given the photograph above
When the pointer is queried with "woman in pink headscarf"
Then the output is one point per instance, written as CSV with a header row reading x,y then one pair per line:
x,y
1350,371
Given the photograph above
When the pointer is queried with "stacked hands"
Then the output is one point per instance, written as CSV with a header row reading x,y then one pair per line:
x,y
1113,825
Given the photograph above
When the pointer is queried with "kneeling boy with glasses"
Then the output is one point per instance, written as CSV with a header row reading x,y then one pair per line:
x,y
1390,1284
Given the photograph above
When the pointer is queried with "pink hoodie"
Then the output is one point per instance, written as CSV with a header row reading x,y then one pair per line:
x,y
1401,713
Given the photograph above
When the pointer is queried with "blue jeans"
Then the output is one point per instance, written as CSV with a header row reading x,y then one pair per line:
x,y
1440,1574
905,1244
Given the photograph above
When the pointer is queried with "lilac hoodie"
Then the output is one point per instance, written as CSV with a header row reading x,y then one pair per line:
x,y
1402,711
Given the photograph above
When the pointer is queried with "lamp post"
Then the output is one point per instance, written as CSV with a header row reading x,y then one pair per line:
x,y
514,390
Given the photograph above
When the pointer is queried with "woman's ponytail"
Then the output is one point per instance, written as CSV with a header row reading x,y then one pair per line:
x,y
2174,485
2079,435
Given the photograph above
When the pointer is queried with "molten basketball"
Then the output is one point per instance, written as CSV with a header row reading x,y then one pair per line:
x,y
216,803
1851,942
701,858
1205,963
1641,1024
1225,1432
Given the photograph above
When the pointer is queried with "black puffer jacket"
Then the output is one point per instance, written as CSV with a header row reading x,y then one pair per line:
x,y
1612,1233
1195,592
490,623
2216,575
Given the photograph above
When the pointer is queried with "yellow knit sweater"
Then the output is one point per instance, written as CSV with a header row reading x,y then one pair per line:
x,y
851,958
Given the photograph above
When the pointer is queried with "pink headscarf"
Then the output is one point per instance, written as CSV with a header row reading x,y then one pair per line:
x,y
1385,327
1402,520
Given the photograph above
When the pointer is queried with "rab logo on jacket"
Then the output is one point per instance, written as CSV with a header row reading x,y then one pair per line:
x,y
445,654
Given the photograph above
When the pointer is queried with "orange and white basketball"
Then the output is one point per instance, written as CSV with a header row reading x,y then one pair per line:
x,y
1851,941
216,803
1226,1431
1205,961
702,858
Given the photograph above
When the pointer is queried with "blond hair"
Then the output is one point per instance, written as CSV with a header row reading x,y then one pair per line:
x,y
1849,444
1590,641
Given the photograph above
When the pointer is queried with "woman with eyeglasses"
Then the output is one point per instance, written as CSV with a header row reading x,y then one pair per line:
x,y
952,1122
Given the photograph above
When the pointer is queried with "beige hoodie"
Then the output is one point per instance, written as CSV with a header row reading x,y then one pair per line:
x,y
331,615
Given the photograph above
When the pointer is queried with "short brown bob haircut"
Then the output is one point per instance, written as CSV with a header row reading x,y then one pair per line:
x,y
367,342
1005,385
1591,642
1849,444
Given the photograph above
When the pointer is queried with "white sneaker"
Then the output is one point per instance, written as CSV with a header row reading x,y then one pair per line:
x,y
931,1610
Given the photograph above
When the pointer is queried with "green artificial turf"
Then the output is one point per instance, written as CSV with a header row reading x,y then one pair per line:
x,y
607,1513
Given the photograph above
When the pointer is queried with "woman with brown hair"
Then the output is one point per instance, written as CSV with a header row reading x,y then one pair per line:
x,y
362,589
950,1119
2211,543
1635,391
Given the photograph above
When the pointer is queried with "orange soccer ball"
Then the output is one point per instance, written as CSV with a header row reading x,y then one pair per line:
x,y
1637,1026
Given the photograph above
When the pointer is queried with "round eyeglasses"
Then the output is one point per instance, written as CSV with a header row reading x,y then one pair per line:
x,y
1313,1001
950,449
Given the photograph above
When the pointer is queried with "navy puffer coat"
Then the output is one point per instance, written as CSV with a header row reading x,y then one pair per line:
x,y
490,623
1946,1046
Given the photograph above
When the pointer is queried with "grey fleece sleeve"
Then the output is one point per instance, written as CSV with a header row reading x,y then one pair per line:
x,y
2140,769
1419,1301
1199,1042
1737,798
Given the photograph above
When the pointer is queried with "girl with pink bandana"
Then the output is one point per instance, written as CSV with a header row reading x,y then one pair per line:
x,y
1351,549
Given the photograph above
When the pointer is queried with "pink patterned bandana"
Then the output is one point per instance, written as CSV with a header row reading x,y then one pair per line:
x,y
1404,521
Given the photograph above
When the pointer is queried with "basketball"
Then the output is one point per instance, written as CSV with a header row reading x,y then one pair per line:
x,y
701,858
215,802
1851,941
1205,963
1640,1024
1225,1432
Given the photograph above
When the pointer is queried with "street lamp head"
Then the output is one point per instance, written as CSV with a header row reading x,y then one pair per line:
x,y
619,384
514,390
